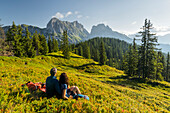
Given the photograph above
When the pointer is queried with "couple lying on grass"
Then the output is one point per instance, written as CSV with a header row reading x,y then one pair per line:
x,y
61,88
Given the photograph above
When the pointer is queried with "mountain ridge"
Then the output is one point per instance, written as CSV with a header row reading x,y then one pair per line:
x,y
102,30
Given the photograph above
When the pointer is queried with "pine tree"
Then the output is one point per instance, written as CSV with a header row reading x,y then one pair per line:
x,y
36,43
130,61
164,65
65,45
55,45
4,48
29,48
49,44
167,67
86,51
10,36
14,37
125,66
43,45
159,67
103,57
96,55
147,51
80,49
134,58
20,42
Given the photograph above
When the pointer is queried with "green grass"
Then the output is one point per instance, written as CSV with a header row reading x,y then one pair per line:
x,y
109,89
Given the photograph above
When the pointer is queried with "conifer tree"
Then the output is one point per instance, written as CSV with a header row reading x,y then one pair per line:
x,y
96,55
125,66
159,67
134,58
14,36
54,44
164,66
147,51
86,51
4,48
36,43
167,67
65,45
10,36
103,57
29,49
49,44
80,49
43,45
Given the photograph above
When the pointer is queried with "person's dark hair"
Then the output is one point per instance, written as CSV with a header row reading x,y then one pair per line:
x,y
53,71
63,79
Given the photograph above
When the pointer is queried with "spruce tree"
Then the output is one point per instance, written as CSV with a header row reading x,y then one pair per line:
x,y
159,67
4,48
125,66
134,58
80,49
96,55
86,51
167,67
36,43
43,45
103,57
65,45
14,37
29,48
147,51
55,45
49,44
130,61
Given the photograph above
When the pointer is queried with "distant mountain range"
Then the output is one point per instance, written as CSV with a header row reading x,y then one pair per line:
x,y
164,39
105,31
164,42
76,32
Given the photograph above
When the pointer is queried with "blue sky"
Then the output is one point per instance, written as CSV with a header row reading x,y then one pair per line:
x,y
126,16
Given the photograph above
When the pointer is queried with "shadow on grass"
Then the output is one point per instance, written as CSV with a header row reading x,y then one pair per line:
x,y
56,56
75,57
119,77
132,82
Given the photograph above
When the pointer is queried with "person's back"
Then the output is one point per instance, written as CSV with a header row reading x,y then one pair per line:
x,y
52,84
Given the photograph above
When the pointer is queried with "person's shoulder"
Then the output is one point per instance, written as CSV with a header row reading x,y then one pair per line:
x,y
64,86
49,77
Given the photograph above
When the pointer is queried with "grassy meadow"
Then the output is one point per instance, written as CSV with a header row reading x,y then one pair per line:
x,y
109,89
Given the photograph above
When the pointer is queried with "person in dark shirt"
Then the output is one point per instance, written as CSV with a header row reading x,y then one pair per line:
x,y
52,85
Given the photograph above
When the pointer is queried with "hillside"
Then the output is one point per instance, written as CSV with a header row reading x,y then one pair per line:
x,y
108,88
114,49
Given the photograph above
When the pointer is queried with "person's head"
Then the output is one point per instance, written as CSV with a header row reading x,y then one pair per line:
x,y
53,71
63,79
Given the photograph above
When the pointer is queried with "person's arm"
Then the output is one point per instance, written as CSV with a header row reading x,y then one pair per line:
x,y
64,94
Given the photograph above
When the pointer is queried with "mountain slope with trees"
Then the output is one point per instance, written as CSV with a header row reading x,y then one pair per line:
x,y
109,89
114,49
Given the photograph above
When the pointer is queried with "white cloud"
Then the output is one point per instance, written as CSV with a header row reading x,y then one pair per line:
x,y
161,30
133,23
58,15
76,12
68,13
79,16
87,17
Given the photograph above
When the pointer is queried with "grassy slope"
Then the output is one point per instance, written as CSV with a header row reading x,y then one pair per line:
x,y
108,88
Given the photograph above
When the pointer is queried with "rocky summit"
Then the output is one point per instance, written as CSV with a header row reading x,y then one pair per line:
x,y
102,30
